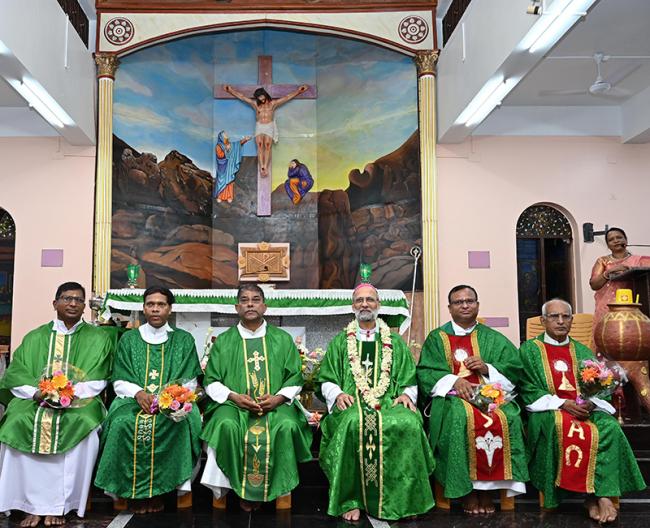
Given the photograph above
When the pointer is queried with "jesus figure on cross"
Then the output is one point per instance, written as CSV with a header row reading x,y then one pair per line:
x,y
266,130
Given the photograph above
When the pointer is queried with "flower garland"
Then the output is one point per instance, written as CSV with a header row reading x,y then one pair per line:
x,y
370,395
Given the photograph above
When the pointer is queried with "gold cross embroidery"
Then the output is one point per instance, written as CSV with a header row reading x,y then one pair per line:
x,y
370,446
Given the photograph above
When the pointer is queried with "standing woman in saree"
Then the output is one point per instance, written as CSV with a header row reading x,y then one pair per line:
x,y
605,269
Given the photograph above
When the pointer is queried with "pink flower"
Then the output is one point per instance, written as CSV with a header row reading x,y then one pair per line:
x,y
187,407
65,401
492,407
57,373
175,405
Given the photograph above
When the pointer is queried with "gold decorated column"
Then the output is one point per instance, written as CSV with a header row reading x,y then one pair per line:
x,y
425,62
106,67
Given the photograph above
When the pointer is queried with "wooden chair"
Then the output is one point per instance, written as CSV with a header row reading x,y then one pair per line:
x,y
442,502
281,503
582,327
580,330
183,502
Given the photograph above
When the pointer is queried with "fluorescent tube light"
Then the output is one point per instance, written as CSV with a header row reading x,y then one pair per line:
x,y
554,23
480,98
49,101
491,102
36,103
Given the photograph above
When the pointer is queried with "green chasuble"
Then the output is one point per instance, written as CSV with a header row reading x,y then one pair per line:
x,y
448,424
145,455
616,471
258,454
30,428
375,460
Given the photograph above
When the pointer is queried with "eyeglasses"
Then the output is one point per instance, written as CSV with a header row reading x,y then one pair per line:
x,y
69,299
460,302
559,316
361,300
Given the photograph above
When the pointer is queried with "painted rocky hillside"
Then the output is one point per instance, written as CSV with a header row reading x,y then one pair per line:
x,y
376,220
165,220
161,218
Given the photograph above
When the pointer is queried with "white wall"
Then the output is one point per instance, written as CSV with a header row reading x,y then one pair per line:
x,y
48,188
486,183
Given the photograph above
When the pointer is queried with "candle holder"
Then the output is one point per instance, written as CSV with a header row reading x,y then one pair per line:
x,y
132,273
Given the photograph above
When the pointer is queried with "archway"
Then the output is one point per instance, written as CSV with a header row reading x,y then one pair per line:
x,y
544,254
7,250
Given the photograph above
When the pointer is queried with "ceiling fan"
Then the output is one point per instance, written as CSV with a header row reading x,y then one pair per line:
x,y
602,86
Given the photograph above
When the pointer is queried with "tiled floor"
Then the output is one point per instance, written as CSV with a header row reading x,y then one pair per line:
x,y
633,515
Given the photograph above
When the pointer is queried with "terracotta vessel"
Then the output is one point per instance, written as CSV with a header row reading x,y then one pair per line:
x,y
624,333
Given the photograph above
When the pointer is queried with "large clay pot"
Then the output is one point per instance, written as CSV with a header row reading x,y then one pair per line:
x,y
624,333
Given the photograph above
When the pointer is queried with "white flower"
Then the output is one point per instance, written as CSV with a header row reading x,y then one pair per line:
x,y
370,395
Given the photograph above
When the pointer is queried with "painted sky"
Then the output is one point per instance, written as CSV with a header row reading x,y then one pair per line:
x,y
366,105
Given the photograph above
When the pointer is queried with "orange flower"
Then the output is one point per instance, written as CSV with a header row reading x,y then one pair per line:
x,y
68,391
46,386
589,374
59,381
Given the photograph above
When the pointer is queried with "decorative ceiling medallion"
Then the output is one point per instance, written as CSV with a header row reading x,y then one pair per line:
x,y
118,31
413,29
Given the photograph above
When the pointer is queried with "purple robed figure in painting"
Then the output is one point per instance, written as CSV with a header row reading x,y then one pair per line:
x,y
298,181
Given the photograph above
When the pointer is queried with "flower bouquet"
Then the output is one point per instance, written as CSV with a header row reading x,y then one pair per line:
x,y
311,362
207,347
488,397
175,401
598,380
57,390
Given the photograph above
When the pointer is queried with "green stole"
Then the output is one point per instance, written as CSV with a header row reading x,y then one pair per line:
x,y
145,424
257,440
370,434
45,439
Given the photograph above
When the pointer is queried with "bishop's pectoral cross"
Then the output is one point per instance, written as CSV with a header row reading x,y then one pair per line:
x,y
265,80
368,365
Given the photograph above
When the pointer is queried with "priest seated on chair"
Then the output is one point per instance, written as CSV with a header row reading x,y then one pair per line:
x,y
254,431
144,454
575,443
476,452
374,451
49,435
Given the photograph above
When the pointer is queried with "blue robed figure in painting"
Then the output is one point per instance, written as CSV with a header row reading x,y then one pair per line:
x,y
228,160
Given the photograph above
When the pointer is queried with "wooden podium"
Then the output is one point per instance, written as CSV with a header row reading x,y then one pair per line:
x,y
640,279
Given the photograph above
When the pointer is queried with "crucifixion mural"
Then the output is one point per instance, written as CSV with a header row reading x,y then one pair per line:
x,y
265,98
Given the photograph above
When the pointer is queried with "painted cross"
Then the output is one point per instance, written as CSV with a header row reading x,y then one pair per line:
x,y
265,80
256,359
